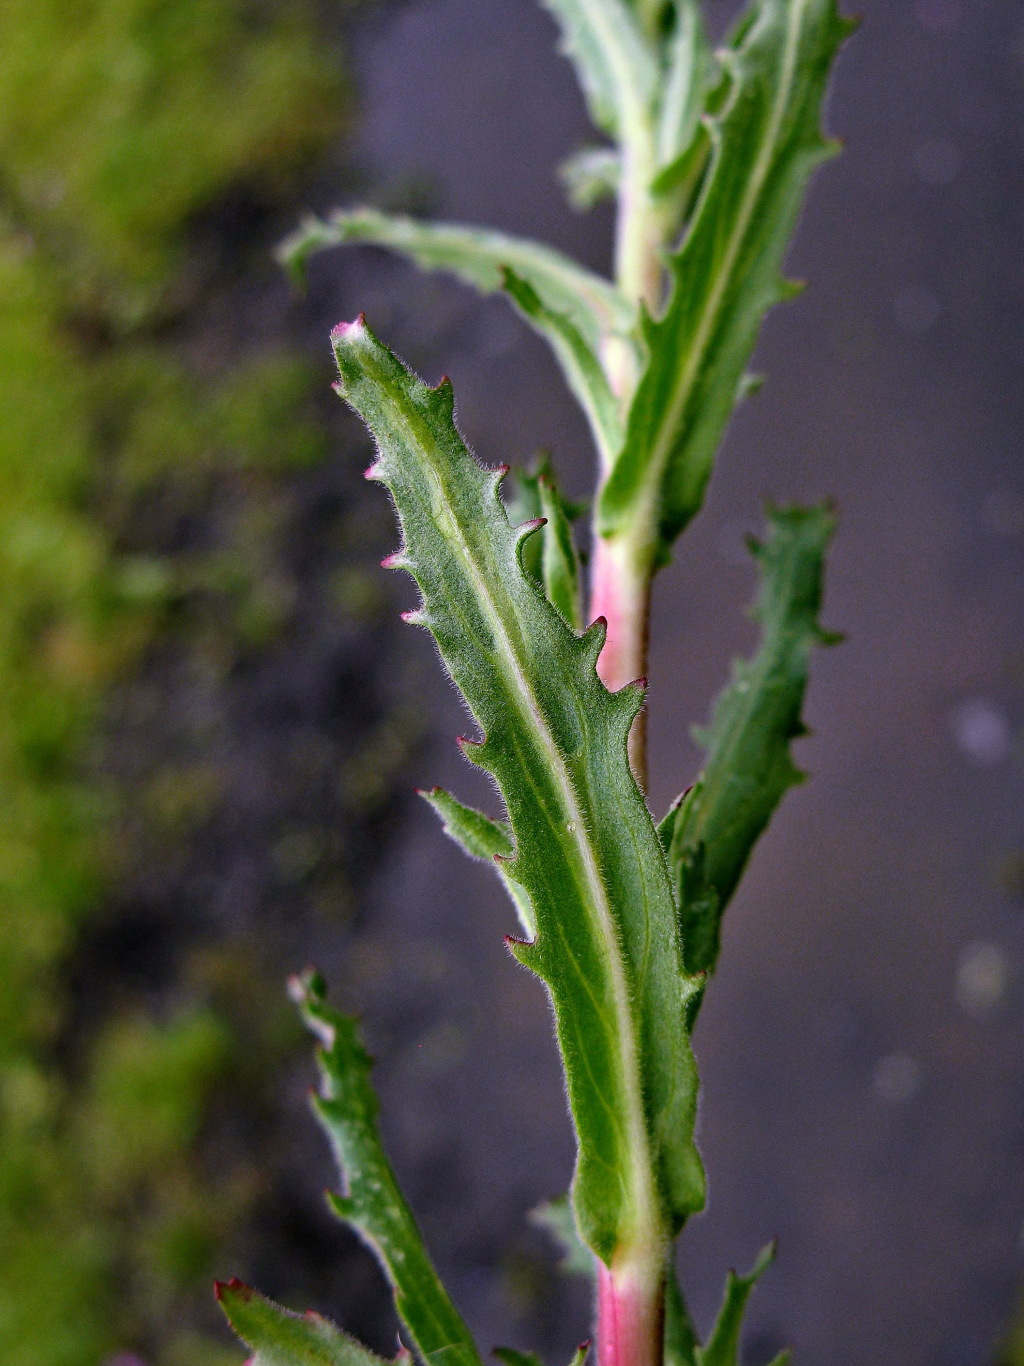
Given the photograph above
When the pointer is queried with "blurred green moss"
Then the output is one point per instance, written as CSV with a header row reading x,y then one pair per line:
x,y
124,124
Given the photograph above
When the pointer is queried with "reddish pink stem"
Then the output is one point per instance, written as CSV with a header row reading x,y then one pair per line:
x,y
630,1318
620,592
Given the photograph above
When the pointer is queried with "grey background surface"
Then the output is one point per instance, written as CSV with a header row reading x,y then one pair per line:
x,y
861,1050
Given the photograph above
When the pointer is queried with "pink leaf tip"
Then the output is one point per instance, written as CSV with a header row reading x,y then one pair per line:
x,y
233,1287
345,330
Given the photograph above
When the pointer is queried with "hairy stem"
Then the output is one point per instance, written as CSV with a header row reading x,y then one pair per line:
x,y
631,1310
620,588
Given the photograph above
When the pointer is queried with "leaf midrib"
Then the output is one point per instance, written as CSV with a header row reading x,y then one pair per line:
x,y
663,442
643,1193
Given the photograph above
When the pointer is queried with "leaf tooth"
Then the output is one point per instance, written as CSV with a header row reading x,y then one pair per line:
x,y
396,560
374,472
341,1205
526,952
593,639
444,396
522,533
233,1287
416,617
345,331
473,750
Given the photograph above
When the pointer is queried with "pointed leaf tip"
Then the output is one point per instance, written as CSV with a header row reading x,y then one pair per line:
x,y
343,331
307,985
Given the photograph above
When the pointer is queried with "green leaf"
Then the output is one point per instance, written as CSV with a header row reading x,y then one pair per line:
x,y
280,1338
482,838
681,1343
579,362
523,504
766,142
724,1344
616,65
590,175
373,1204
476,255
586,852
556,1217
689,74
560,562
511,1357
711,832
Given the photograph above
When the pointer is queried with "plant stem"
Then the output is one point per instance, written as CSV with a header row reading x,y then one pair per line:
x,y
620,591
631,1311
631,1291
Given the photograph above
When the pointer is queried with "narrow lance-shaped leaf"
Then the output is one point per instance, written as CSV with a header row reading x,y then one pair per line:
x,y
477,256
280,1338
483,839
687,77
749,768
579,361
723,1346
767,140
615,62
586,850
373,1203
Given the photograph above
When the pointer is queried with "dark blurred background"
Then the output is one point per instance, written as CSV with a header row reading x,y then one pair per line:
x,y
213,720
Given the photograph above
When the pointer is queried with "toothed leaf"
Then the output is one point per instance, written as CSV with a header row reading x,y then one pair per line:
x,y
586,850
372,1203
723,1346
556,1217
614,61
482,838
690,67
280,1338
766,142
579,362
749,768
477,256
